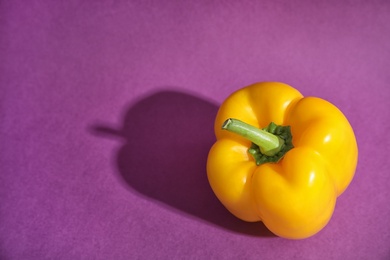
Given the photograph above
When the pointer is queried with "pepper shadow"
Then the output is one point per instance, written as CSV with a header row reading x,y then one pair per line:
x,y
167,136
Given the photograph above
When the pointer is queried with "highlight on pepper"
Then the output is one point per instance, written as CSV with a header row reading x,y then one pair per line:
x,y
277,158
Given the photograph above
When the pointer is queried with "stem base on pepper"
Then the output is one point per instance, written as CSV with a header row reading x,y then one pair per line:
x,y
283,132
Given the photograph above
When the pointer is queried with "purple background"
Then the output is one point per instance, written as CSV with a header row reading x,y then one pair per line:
x,y
106,119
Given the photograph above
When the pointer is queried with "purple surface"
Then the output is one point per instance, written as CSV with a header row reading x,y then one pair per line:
x,y
107,112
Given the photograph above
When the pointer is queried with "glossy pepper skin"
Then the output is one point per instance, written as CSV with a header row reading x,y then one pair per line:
x,y
296,196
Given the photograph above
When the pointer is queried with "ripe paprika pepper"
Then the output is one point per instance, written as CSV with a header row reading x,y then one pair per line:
x,y
281,158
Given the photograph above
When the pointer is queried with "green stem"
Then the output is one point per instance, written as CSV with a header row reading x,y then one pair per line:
x,y
268,143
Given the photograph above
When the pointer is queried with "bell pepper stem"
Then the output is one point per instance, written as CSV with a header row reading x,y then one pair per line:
x,y
268,143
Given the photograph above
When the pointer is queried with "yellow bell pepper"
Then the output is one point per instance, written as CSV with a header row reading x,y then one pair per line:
x,y
281,158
